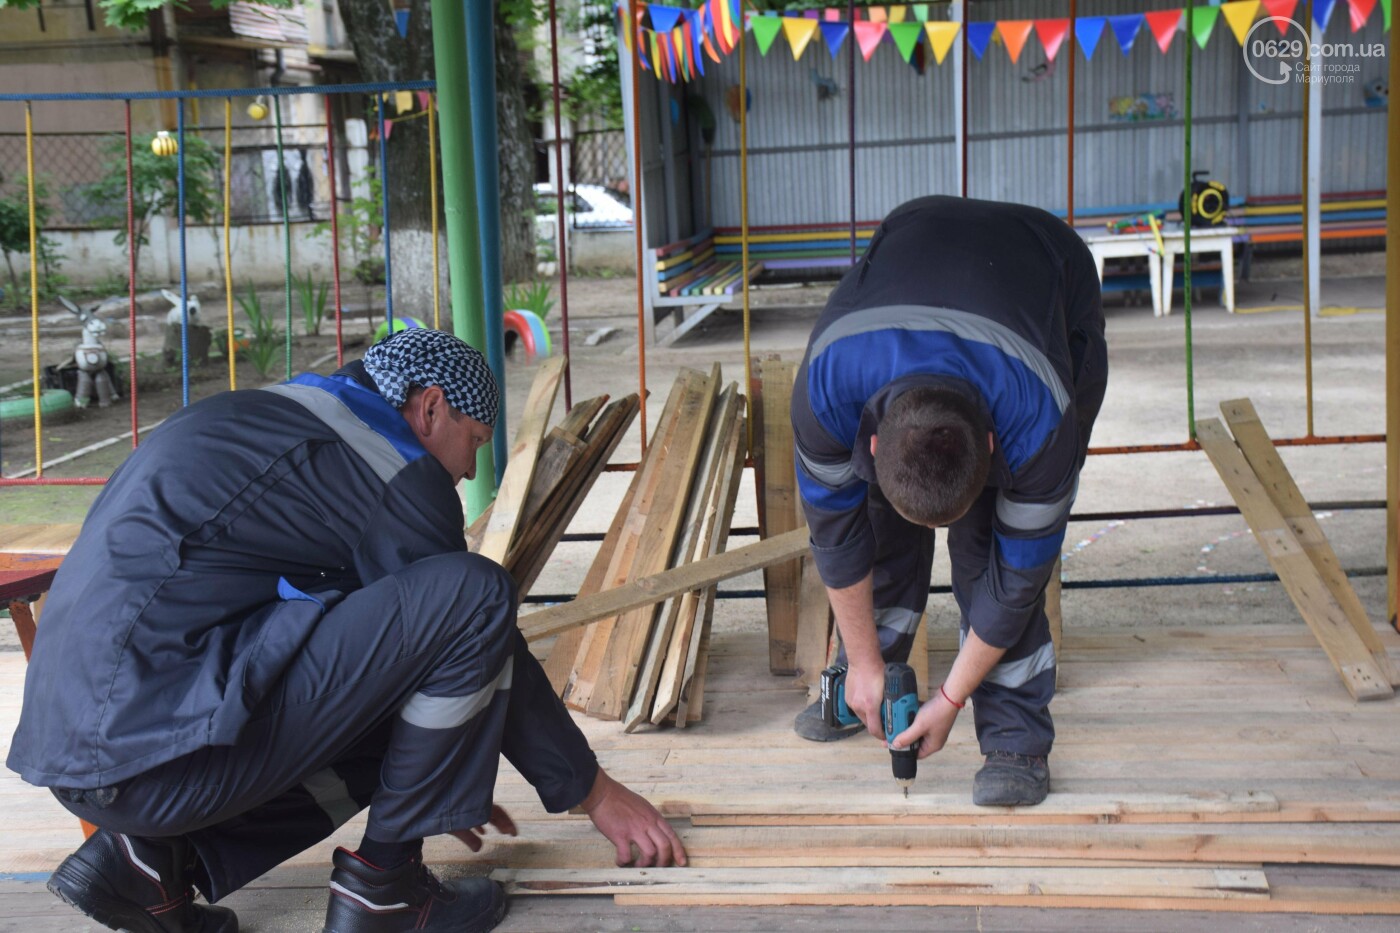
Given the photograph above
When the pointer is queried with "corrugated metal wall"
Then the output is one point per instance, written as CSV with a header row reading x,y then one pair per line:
x,y
798,153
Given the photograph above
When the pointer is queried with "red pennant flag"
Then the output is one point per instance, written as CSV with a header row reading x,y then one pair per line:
x,y
868,35
1361,12
1051,33
685,41
1280,12
424,99
1015,32
1163,24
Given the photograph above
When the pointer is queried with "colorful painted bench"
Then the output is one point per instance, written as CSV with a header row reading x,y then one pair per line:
x,y
690,274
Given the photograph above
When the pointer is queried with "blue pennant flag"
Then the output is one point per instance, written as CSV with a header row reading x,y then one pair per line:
x,y
978,35
697,35
1126,29
1322,12
401,21
834,34
664,18
1087,30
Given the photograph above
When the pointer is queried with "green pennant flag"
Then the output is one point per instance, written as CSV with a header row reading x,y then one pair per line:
x,y
765,30
921,12
1385,11
906,36
1202,22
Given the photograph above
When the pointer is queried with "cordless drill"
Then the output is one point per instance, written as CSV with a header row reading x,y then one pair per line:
x,y
897,712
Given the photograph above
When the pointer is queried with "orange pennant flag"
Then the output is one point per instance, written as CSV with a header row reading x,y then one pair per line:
x,y
1014,33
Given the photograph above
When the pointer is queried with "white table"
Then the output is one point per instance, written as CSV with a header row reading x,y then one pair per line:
x,y
1203,240
1161,263
1104,245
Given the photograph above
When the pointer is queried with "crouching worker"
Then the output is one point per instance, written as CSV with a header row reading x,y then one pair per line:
x,y
952,380
269,622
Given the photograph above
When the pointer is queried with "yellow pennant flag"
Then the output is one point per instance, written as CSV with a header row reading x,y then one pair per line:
x,y
403,101
799,32
1240,15
940,37
897,13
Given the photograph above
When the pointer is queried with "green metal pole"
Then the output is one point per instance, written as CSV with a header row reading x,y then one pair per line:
x,y
1186,238
459,200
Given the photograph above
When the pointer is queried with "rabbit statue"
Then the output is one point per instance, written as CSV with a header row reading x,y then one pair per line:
x,y
90,356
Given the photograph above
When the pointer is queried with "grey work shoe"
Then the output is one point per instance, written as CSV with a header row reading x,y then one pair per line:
x,y
810,725
1011,780
138,884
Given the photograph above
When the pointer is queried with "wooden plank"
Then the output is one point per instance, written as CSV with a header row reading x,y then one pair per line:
x,y
698,607
651,590
1053,615
619,569
39,539
622,662
691,536
1258,448
559,451
1302,901
1327,619
814,621
1212,882
782,581
918,657
532,550
515,484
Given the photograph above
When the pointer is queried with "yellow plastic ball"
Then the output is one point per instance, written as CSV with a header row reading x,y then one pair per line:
x,y
165,145
257,110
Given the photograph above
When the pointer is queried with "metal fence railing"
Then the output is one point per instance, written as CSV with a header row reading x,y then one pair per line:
x,y
599,157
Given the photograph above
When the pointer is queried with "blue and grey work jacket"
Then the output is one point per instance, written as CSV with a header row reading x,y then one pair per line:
x,y
208,561
998,302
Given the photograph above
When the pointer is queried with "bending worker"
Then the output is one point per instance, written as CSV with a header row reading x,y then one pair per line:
x,y
952,380
269,622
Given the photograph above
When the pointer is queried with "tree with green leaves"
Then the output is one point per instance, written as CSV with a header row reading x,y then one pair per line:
x,y
155,186
14,238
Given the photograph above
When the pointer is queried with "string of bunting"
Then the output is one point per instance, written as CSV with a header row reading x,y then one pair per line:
x,y
675,41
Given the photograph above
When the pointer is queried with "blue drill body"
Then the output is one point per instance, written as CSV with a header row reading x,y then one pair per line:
x,y
897,712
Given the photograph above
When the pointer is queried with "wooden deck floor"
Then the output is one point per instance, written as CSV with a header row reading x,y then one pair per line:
x,y
1196,770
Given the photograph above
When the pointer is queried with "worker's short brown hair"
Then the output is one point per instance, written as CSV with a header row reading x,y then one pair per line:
x,y
931,455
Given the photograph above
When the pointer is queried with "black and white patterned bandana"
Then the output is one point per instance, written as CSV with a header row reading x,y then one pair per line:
x,y
420,356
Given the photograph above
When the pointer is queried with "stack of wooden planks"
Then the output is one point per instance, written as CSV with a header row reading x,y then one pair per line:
x,y
550,473
1298,551
646,664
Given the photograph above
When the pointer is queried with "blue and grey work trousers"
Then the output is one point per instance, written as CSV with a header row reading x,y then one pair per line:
x,y
402,700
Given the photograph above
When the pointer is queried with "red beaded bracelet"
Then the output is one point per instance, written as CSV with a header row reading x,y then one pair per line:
x,y
955,703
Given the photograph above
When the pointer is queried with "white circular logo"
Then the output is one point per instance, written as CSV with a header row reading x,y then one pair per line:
x,y
1274,50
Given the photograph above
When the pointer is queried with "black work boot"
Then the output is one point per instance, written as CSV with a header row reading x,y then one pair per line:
x,y
366,899
1011,780
137,884
810,725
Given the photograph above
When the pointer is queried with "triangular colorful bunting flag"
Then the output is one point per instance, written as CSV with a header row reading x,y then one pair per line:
x,y
868,35
1163,24
765,30
1280,12
663,18
400,23
1087,30
906,36
875,14
1014,33
940,38
920,12
1240,15
1203,22
1125,28
1385,12
1361,12
724,26
897,14
658,63
799,32
1051,33
978,35
835,34
1322,12
831,15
